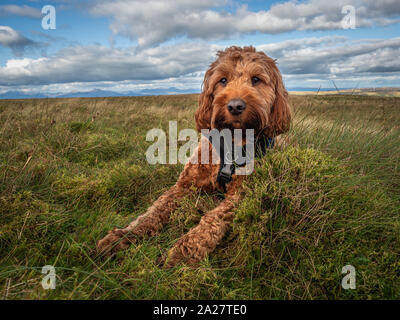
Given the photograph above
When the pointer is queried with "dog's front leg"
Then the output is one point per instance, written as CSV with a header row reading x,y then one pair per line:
x,y
148,223
158,214
202,239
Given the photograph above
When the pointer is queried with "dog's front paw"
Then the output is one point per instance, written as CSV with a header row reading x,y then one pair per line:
x,y
189,250
114,241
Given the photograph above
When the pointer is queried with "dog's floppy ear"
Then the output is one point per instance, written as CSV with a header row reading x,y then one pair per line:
x,y
280,115
204,111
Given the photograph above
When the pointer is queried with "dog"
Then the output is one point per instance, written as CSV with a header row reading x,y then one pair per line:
x,y
242,89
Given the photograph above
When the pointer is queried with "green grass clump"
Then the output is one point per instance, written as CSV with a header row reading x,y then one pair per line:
x,y
304,217
72,169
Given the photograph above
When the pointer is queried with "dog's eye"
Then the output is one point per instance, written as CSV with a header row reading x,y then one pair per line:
x,y
255,80
223,81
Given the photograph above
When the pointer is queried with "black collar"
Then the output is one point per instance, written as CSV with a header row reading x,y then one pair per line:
x,y
226,170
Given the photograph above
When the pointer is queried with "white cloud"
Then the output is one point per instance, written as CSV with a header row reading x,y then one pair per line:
x,y
323,56
98,63
14,40
155,21
307,61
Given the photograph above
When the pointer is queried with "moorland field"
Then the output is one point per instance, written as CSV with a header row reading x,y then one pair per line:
x,y
72,169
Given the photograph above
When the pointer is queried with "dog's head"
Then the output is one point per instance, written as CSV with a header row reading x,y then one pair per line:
x,y
243,89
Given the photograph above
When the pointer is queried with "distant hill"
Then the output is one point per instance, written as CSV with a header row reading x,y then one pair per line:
x,y
90,94
384,91
20,95
96,93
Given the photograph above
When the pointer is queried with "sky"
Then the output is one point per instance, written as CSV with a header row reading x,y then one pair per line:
x,y
135,45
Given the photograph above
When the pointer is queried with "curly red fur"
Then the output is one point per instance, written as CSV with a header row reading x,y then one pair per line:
x,y
267,112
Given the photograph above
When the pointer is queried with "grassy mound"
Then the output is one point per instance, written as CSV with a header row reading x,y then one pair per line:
x,y
304,217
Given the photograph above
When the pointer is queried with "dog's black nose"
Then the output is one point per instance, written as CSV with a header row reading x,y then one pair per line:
x,y
236,106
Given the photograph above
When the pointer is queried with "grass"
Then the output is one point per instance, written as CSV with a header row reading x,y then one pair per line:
x,y
71,169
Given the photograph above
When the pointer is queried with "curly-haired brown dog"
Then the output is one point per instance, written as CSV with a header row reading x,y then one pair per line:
x,y
242,89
